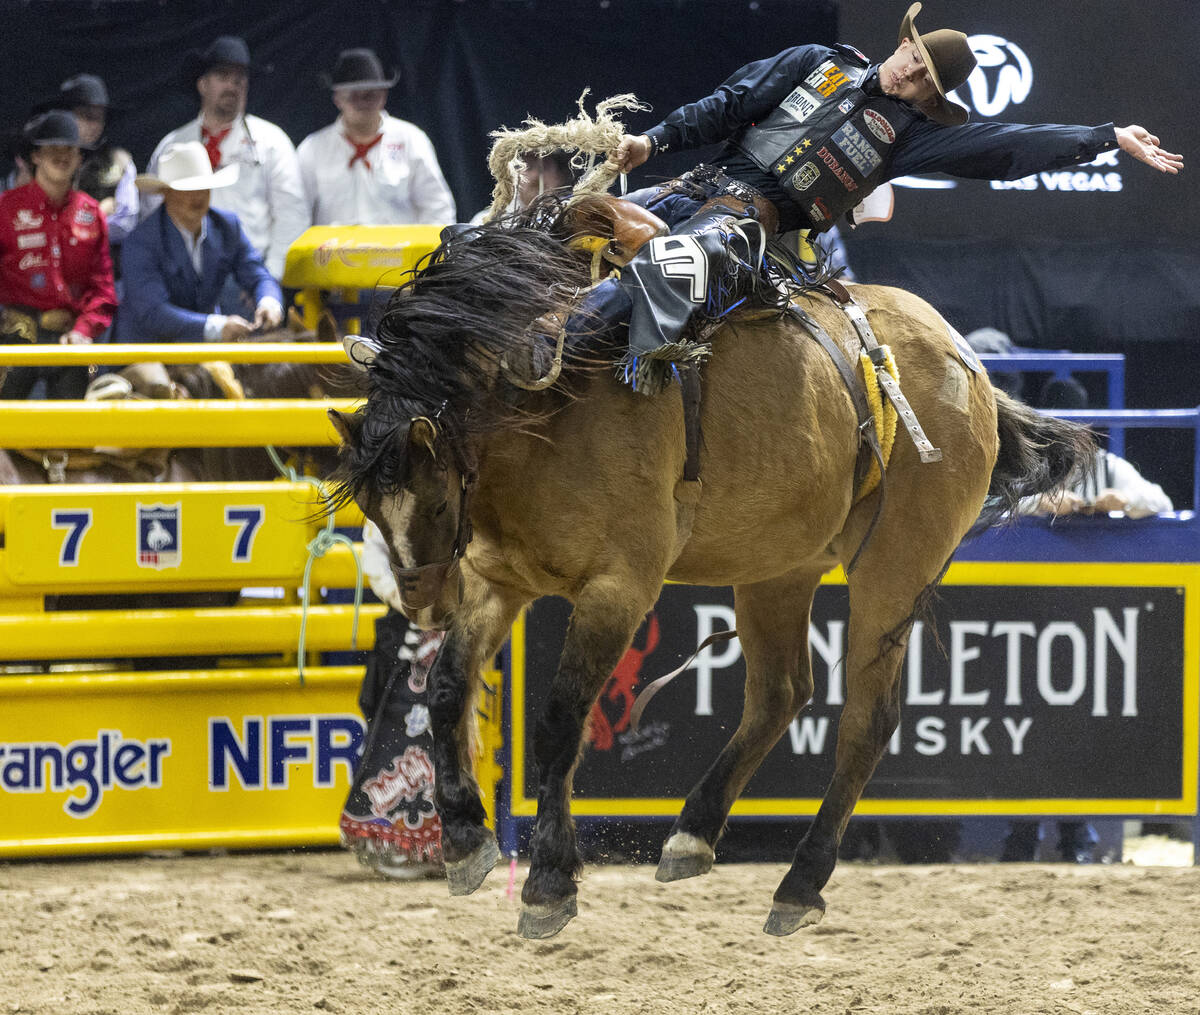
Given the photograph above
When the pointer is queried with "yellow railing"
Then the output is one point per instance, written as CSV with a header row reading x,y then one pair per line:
x,y
172,352
188,424
176,712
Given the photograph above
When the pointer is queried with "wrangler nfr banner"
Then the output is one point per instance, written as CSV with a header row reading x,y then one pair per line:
x,y
94,763
1030,689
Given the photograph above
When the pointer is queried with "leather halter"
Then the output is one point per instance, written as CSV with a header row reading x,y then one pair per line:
x,y
419,586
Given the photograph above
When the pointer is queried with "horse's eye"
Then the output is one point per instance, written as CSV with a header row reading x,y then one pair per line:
x,y
440,509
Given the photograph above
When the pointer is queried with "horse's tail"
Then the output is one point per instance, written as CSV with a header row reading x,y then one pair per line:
x,y
1039,454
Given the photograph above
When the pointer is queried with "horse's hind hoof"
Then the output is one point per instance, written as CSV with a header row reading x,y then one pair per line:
x,y
537,922
786,918
684,856
466,875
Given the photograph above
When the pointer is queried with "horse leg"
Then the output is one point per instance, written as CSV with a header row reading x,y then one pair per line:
x,y
605,618
869,718
468,846
772,623
889,589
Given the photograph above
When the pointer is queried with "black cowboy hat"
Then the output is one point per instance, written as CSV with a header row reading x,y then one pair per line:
x,y
80,90
223,51
55,127
360,70
948,56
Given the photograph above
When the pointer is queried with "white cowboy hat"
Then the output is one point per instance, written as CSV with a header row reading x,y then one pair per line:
x,y
186,166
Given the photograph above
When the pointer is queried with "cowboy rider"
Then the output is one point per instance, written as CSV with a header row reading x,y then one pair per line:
x,y
810,132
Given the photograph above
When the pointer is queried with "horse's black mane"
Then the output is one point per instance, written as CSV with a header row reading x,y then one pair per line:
x,y
466,305
445,330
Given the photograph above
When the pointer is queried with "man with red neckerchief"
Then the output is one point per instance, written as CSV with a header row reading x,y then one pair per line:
x,y
368,167
268,198
56,276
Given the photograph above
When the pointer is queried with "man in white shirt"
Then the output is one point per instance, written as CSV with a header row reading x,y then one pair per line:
x,y
367,167
268,197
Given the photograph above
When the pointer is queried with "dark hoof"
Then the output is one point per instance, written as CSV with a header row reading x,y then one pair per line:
x,y
466,875
538,922
786,918
677,867
684,856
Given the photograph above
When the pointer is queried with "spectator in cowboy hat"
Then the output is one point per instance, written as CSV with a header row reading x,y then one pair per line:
x,y
180,257
268,197
56,280
107,171
368,167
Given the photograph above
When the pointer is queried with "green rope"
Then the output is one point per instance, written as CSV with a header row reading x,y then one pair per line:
x,y
320,545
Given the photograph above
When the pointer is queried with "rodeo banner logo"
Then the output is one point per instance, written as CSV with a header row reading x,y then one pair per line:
x,y
158,535
1007,693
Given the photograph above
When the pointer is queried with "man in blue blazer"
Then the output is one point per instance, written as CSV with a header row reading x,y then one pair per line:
x,y
177,260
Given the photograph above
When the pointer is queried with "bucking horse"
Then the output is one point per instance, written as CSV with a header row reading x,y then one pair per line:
x,y
492,492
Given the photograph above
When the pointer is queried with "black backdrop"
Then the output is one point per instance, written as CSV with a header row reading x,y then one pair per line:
x,y
1096,270
1089,271
467,66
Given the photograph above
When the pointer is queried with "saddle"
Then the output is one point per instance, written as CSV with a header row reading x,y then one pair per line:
x,y
610,228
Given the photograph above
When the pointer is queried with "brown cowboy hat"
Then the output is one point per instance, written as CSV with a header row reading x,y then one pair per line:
x,y
948,56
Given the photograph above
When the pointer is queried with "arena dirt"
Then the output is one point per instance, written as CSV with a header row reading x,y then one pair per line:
x,y
309,932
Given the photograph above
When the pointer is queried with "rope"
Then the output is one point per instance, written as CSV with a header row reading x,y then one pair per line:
x,y
318,546
588,137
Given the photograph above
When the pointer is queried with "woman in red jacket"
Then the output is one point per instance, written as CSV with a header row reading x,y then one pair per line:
x,y
56,278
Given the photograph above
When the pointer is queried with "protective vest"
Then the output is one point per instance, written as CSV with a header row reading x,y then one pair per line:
x,y
828,143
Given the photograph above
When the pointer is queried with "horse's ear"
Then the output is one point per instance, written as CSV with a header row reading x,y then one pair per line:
x,y
327,329
362,351
346,425
422,432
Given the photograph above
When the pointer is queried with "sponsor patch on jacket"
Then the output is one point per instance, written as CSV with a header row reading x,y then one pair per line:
x,y
878,125
818,212
826,79
846,180
38,281
26,220
800,104
845,105
33,259
857,148
31,240
85,217
805,176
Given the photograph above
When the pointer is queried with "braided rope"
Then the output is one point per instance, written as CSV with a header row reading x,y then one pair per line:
x,y
584,135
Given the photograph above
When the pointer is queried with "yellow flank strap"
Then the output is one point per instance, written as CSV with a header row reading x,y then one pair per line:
x,y
883,411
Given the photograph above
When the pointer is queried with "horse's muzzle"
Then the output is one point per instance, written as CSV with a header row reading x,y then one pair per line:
x,y
422,587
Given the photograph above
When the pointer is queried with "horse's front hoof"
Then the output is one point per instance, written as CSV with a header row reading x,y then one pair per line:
x,y
684,856
537,922
464,876
786,918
